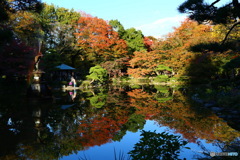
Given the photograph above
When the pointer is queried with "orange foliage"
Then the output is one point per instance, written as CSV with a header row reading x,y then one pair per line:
x,y
101,127
99,39
190,33
25,25
143,63
177,44
97,131
180,116
148,43
173,52
144,103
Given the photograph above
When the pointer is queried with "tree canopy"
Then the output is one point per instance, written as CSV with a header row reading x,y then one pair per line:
x,y
17,23
99,40
12,6
201,11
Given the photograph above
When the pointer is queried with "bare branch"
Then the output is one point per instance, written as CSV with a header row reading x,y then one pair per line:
x,y
214,3
234,25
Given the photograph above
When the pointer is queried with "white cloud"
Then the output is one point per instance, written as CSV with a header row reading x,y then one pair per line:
x,y
161,27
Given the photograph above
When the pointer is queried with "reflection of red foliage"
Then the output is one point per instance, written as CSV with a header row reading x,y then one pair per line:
x,y
101,129
179,116
235,57
97,132
144,103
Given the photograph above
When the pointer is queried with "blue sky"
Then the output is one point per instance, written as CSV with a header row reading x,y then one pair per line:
x,y
153,17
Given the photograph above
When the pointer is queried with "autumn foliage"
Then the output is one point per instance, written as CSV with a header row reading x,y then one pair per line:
x,y
99,40
143,63
177,50
144,103
98,129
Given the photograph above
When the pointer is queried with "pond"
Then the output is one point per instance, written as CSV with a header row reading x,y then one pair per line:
x,y
106,123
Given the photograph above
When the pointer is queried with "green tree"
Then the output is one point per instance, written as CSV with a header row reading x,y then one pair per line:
x,y
135,40
118,27
133,37
164,93
97,74
157,146
135,122
98,100
58,24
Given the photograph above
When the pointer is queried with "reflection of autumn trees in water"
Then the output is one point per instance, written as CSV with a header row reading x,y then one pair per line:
x,y
102,125
193,124
144,103
83,125
180,115
128,111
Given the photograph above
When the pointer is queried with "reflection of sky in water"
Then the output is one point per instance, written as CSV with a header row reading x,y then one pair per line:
x,y
106,151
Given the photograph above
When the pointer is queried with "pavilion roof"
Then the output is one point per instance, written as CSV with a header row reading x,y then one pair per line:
x,y
65,67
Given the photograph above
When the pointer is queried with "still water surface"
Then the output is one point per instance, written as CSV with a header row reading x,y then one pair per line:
x,y
92,123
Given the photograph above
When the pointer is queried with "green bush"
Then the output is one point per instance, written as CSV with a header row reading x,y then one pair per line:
x,y
135,86
97,74
161,78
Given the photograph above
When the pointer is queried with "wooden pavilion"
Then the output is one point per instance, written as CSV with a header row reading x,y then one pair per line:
x,y
64,72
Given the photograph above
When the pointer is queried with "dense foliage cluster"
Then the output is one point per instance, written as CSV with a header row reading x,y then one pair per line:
x,y
205,48
84,41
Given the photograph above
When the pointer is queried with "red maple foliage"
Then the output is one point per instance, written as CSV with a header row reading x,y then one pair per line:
x,y
99,40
